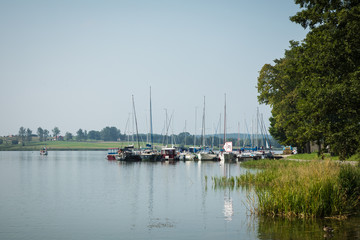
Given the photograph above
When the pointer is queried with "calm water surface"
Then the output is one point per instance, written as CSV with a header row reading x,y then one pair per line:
x,y
80,195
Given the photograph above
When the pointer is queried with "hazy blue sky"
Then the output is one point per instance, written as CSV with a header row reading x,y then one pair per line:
x,y
75,64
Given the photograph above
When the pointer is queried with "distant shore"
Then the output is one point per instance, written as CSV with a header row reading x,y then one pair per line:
x,y
62,146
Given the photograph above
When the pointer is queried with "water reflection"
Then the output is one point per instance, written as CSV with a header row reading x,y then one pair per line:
x,y
80,195
279,228
228,203
228,208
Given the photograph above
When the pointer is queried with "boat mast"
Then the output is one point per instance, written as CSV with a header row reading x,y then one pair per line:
x,y
225,121
166,127
195,127
239,133
185,133
203,126
257,128
137,132
127,131
220,132
151,126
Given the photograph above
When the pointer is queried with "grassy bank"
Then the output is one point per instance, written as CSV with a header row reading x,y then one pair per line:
x,y
313,156
62,145
325,156
301,189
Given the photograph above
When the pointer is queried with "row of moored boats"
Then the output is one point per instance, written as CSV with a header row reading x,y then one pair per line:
x,y
130,154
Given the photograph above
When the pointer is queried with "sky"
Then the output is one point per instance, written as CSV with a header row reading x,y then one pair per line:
x,y
76,64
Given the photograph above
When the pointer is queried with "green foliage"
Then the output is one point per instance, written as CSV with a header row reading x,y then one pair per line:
x,y
46,134
28,135
314,88
80,135
1,141
355,157
94,135
300,189
56,132
68,136
40,133
110,134
22,134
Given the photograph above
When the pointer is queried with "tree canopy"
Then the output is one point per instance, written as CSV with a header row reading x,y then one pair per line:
x,y
56,132
314,89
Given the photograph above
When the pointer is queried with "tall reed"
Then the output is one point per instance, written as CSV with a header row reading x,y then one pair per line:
x,y
308,189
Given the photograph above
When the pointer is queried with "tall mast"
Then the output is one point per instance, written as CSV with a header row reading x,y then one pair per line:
x,y
185,133
166,127
137,132
151,126
203,125
239,133
257,127
219,131
225,121
195,127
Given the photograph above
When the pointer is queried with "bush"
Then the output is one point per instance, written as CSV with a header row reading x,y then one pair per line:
x,y
15,142
1,141
355,157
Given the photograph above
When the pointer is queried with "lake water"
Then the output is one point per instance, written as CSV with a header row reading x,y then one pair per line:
x,y
81,195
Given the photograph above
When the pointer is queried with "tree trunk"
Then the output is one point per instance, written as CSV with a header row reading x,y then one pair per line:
x,y
319,147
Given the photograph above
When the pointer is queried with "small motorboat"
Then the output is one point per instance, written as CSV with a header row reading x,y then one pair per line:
x,y
112,153
44,151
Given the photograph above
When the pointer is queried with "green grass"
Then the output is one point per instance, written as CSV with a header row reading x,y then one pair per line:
x,y
300,189
268,163
312,156
64,145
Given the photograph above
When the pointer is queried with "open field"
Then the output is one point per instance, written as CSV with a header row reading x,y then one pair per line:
x,y
63,145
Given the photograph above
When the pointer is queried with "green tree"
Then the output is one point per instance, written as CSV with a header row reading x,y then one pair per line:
x,y
68,136
80,135
56,132
314,89
22,135
46,134
28,135
85,135
40,133
110,134
94,135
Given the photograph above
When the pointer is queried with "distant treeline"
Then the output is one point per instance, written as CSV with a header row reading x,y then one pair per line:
x,y
114,134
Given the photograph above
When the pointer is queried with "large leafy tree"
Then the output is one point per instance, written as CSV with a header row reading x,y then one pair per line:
x,y
68,136
80,135
56,132
28,135
40,133
46,134
95,135
322,95
22,134
110,134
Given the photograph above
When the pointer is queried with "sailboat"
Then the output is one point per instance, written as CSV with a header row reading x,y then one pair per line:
x,y
228,155
150,154
206,154
128,154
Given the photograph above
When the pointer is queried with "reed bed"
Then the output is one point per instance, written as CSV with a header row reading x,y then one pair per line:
x,y
307,189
